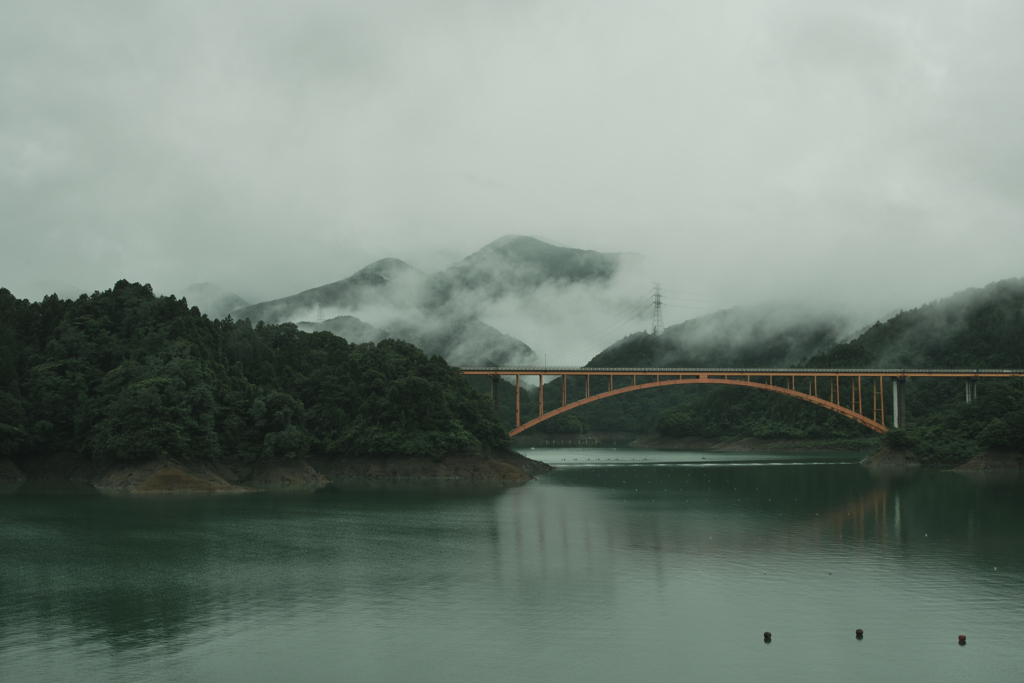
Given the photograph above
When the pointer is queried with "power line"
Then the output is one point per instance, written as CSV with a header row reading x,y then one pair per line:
x,y
677,298
625,317
659,323
593,342
594,338
636,310
682,293
676,305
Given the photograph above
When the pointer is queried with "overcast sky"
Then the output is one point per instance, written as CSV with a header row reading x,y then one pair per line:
x,y
849,151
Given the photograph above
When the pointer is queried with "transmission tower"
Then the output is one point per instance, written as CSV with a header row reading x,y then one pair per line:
x,y
319,313
659,323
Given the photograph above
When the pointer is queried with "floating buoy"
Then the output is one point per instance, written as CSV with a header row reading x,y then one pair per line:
x,y
767,636
860,633
963,640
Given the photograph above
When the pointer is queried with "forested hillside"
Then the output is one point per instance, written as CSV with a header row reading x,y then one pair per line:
x,y
770,336
776,335
978,328
126,374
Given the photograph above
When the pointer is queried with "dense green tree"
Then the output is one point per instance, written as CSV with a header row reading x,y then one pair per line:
x,y
997,434
899,439
160,407
127,374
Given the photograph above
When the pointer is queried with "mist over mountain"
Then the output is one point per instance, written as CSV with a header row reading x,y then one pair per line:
x,y
212,300
515,265
980,328
771,335
460,342
348,327
464,341
444,312
976,328
382,283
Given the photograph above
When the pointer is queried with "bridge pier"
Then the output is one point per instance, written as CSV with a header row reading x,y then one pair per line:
x,y
899,402
494,391
759,378
971,386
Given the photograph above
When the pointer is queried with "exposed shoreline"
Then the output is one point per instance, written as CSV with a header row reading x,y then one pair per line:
x,y
592,439
507,467
890,458
880,456
750,444
239,476
992,461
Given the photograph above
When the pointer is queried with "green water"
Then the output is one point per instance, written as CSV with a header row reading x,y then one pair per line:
x,y
611,568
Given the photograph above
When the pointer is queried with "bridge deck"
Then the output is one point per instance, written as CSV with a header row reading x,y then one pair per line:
x,y
779,380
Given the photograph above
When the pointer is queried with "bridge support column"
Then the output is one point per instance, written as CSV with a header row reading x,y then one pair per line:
x,y
899,402
971,389
494,391
517,401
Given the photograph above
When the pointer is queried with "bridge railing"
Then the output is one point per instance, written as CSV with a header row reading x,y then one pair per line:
x,y
781,380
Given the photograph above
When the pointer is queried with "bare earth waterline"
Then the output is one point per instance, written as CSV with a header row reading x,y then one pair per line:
x,y
620,565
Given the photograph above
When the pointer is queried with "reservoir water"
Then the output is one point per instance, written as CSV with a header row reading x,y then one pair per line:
x,y
620,565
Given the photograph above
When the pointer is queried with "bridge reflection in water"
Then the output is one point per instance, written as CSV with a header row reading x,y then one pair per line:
x,y
581,521
844,388
691,513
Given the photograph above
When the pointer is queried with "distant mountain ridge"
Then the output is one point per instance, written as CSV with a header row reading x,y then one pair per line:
x,y
515,263
776,335
976,328
441,312
367,286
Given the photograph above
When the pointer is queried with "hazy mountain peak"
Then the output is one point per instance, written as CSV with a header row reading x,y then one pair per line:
x,y
212,299
503,240
518,264
387,268
442,313
522,248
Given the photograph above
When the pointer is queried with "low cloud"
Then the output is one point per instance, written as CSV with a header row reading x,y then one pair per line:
x,y
857,155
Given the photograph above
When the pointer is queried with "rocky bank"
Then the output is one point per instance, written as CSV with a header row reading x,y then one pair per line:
x,y
993,461
238,476
10,473
891,458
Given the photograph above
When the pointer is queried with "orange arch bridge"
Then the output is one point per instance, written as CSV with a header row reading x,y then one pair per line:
x,y
841,391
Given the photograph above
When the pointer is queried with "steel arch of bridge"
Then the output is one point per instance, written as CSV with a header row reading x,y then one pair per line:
x,y
765,379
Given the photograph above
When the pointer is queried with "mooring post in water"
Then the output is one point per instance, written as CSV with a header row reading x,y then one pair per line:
x,y
494,391
899,402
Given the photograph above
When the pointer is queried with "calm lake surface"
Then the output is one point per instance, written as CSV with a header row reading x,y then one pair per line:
x,y
619,566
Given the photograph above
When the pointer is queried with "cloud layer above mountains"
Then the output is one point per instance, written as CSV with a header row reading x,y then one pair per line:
x,y
863,152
